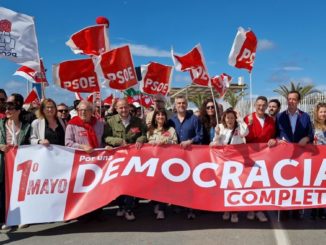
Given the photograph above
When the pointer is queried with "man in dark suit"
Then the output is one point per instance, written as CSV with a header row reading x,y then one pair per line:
x,y
294,126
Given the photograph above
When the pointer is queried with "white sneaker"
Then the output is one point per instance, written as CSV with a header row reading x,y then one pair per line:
x,y
226,216
129,215
156,209
5,227
120,212
23,226
160,215
191,215
251,215
261,216
234,218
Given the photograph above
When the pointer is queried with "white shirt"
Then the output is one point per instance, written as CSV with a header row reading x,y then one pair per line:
x,y
126,122
261,120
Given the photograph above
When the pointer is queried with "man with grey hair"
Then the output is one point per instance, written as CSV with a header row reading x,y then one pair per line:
x,y
84,131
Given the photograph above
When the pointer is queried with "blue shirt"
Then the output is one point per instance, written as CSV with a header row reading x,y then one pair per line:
x,y
190,129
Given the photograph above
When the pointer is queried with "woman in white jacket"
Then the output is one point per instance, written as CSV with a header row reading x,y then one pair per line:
x,y
231,131
48,128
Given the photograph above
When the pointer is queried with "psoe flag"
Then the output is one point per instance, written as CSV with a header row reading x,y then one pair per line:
x,y
118,68
18,41
221,83
243,50
33,75
91,40
76,76
156,78
191,60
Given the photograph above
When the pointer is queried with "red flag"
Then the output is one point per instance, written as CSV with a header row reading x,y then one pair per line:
x,y
194,62
156,78
76,76
243,50
200,76
32,97
118,68
94,97
91,40
108,100
33,75
221,83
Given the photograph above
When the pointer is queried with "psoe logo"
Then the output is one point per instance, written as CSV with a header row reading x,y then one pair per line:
x,y
7,43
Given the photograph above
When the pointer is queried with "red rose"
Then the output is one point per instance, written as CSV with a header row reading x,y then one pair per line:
x,y
135,130
166,134
5,25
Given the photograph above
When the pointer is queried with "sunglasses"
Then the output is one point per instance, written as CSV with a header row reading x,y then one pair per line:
x,y
11,106
3,99
209,107
63,111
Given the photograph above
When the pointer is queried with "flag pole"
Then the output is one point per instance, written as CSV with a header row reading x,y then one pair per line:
x,y
214,104
250,84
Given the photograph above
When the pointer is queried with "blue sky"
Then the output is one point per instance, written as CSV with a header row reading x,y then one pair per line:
x,y
291,34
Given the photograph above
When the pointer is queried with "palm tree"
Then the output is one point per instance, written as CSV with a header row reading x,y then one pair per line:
x,y
233,97
198,100
283,90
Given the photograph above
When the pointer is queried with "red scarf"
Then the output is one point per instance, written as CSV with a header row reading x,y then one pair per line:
x,y
91,135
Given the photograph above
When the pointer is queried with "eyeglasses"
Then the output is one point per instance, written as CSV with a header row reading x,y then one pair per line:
x,y
10,106
3,99
209,107
63,111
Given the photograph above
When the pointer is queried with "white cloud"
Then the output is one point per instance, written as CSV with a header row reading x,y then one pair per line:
x,y
292,68
304,80
14,85
264,44
144,50
182,78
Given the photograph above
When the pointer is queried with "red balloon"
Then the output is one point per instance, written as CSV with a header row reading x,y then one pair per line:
x,y
101,20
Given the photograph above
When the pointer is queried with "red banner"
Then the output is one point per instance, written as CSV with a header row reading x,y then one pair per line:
x,y
118,68
234,178
76,76
156,78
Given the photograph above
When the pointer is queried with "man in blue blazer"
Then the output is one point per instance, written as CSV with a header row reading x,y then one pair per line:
x,y
294,126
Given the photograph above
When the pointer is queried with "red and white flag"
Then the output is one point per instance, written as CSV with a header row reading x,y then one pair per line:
x,y
194,62
243,50
91,40
33,75
18,41
78,96
32,97
118,68
156,78
76,76
221,83
93,97
191,60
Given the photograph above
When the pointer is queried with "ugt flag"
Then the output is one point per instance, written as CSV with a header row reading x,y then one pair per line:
x,y
243,50
221,83
33,75
91,40
76,76
156,78
18,41
194,62
118,68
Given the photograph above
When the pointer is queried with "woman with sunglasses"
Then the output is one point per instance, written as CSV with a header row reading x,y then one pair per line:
x,y
160,133
48,128
231,131
208,119
13,132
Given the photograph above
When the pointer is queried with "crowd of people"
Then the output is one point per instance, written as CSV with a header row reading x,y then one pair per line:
x,y
88,126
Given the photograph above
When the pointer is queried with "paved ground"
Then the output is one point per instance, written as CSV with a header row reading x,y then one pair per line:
x,y
207,228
